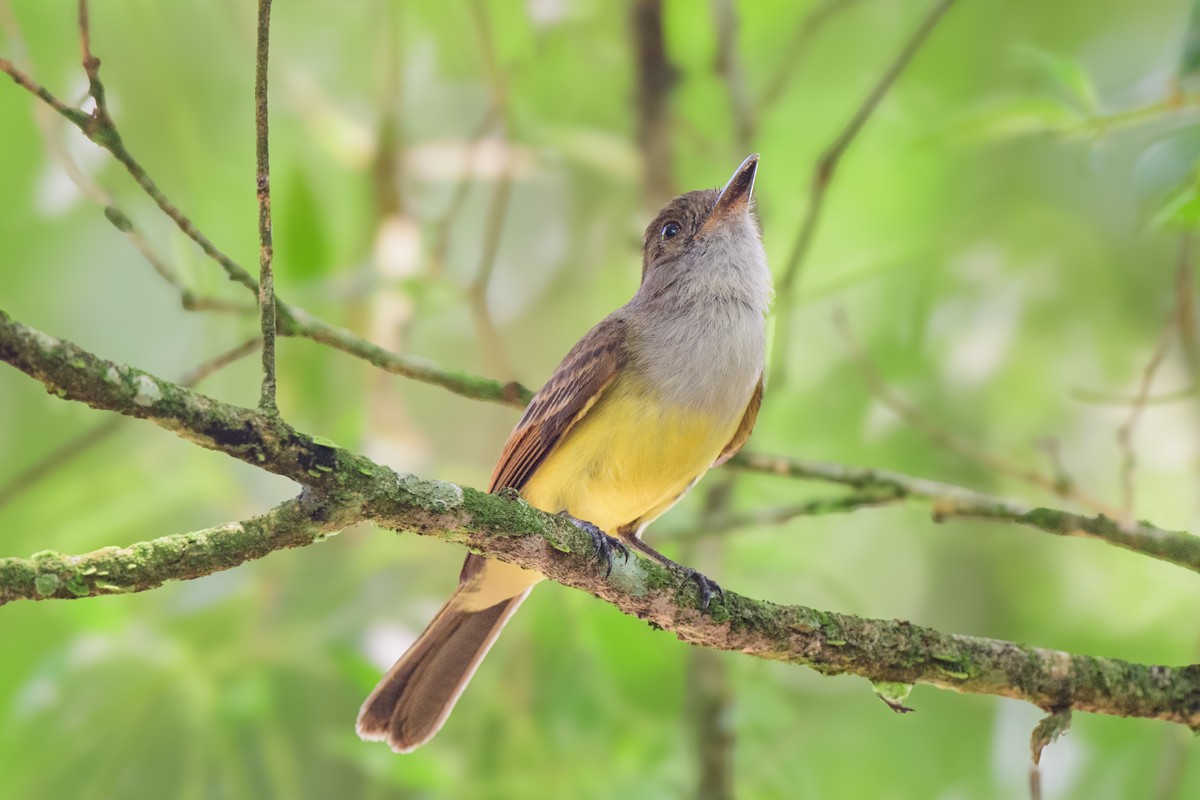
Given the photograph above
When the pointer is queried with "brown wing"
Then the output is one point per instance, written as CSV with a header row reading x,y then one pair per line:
x,y
574,388
743,430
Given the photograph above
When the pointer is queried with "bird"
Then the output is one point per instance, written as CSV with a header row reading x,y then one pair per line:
x,y
661,390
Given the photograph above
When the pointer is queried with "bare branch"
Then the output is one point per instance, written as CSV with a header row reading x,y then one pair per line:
x,y
955,443
1094,397
1185,306
100,128
486,333
1125,432
444,223
822,175
728,65
301,323
266,249
656,77
947,501
810,24
763,517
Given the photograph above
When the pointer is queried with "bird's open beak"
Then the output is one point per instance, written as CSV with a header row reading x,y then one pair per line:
x,y
735,197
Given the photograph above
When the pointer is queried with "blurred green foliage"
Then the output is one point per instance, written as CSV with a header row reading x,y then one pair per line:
x,y
1002,235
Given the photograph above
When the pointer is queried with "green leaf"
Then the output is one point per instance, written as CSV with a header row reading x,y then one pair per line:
x,y
1165,178
1068,75
1189,59
894,694
1047,731
301,246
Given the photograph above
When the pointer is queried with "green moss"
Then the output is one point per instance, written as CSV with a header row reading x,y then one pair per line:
x,y
657,578
504,514
78,586
46,584
952,665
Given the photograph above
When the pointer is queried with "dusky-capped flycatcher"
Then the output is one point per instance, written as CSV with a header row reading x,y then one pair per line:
x,y
664,388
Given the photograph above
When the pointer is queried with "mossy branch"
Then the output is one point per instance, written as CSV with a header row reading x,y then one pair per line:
x,y
342,487
947,501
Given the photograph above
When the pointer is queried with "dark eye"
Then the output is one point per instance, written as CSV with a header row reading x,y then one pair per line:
x,y
670,230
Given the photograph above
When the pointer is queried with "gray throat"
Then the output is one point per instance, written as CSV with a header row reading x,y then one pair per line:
x,y
700,343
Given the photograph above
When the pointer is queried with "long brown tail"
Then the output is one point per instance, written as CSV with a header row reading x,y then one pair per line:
x,y
413,700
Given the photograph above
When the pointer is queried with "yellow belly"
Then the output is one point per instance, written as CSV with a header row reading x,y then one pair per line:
x,y
628,460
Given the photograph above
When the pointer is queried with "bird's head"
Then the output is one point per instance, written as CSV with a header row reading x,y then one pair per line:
x,y
708,239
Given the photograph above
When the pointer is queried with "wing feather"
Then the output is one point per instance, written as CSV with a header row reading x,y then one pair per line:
x,y
578,382
743,430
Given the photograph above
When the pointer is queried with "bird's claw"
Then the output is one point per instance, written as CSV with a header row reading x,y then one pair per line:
x,y
707,588
604,544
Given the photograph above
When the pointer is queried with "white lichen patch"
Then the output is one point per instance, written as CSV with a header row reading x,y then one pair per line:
x,y
113,375
44,340
148,392
445,496
436,495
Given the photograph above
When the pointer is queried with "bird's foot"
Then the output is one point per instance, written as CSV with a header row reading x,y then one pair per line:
x,y
605,545
707,587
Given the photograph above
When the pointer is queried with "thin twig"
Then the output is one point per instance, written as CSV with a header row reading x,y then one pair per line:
x,y
766,517
947,501
488,336
810,24
1125,432
266,250
58,458
292,320
952,441
101,197
444,223
728,65
709,693
1185,305
100,128
485,327
1099,398
656,76
822,175
513,394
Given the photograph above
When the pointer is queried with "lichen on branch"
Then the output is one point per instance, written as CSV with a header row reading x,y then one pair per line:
x,y
341,487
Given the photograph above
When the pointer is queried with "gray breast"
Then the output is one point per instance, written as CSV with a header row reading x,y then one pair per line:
x,y
706,354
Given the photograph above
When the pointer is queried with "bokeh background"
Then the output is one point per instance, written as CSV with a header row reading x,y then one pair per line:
x,y
1003,237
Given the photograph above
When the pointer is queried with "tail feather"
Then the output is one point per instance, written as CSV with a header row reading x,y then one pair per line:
x,y
413,700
